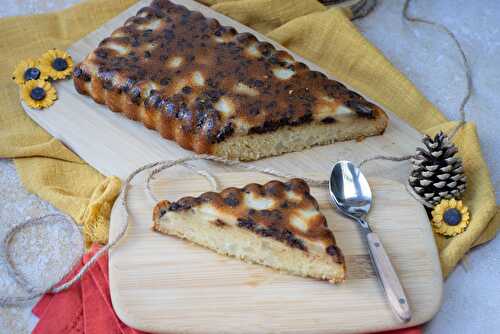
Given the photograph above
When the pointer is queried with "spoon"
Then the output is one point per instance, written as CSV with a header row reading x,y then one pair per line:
x,y
351,195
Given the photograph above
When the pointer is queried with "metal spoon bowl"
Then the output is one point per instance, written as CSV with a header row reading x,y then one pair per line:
x,y
350,193
350,190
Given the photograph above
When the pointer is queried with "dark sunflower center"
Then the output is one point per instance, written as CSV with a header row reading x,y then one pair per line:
x,y
452,217
37,93
31,73
60,64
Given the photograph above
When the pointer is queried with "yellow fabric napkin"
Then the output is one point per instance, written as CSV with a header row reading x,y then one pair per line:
x,y
325,36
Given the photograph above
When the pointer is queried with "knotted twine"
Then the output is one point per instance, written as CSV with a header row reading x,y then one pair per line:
x,y
156,168
159,166
468,76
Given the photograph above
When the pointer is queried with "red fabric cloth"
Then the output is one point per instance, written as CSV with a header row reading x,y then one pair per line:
x,y
412,330
50,306
86,306
83,308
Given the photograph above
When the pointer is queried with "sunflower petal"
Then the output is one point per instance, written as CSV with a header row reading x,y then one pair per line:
x,y
452,203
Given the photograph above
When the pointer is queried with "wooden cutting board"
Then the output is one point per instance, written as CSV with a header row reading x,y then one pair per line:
x,y
163,284
115,145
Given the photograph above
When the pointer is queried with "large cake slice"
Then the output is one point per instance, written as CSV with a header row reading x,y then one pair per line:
x,y
216,91
277,224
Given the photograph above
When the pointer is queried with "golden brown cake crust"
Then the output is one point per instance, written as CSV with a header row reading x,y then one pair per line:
x,y
288,200
199,83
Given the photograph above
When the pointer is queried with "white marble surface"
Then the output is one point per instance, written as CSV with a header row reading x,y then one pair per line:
x,y
426,56
40,252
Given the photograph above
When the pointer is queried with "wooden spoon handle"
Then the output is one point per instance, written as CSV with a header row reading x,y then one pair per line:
x,y
388,277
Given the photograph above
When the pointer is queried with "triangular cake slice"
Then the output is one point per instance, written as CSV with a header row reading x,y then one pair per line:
x,y
277,224
216,91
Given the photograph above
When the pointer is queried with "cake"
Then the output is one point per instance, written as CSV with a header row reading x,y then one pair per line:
x,y
277,224
217,91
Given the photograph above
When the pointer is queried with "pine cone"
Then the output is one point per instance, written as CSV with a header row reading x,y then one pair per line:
x,y
436,173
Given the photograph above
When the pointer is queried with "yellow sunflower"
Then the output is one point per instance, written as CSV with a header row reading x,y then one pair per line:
x,y
27,70
57,64
450,217
38,94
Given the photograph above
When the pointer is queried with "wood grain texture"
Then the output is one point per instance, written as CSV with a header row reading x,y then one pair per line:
x,y
217,294
160,283
389,278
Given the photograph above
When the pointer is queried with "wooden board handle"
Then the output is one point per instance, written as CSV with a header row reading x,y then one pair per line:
x,y
388,277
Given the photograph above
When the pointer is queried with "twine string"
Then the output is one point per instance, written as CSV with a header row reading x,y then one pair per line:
x,y
386,157
469,88
17,275
156,168
159,166
162,165
465,61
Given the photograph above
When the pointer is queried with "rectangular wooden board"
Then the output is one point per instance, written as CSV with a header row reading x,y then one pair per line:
x,y
160,283
115,145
